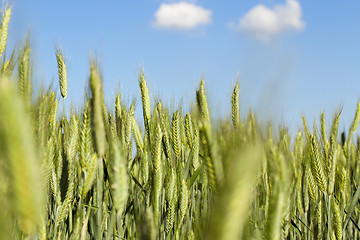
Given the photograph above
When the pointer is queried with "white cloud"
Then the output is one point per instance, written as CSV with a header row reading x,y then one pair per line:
x,y
182,15
263,23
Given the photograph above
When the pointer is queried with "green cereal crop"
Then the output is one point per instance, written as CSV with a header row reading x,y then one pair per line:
x,y
97,173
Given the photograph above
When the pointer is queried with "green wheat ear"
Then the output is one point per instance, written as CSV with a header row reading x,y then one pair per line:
x,y
4,30
9,65
17,152
202,102
235,106
120,179
90,176
233,201
171,198
337,220
355,123
175,131
62,72
316,165
137,135
24,69
145,101
97,102
183,201
323,127
335,125
213,160
165,140
157,172
189,129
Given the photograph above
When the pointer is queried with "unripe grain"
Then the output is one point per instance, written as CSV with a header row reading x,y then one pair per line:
x,y
62,72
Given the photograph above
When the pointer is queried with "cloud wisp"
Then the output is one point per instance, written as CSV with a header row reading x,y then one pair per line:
x,y
264,24
181,16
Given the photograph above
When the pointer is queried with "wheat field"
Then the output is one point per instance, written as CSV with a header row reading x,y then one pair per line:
x,y
101,173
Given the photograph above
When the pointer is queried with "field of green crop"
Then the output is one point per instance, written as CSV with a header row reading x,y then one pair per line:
x,y
97,173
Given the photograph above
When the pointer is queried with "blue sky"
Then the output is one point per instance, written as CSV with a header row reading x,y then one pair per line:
x,y
292,57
